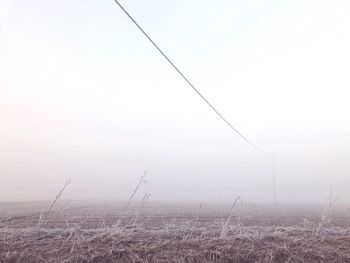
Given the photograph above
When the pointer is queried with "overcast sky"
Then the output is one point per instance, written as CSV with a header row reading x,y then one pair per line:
x,y
84,95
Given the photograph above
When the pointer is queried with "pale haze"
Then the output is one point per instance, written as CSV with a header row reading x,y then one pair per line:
x,y
83,95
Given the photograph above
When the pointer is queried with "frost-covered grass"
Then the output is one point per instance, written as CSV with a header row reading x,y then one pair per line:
x,y
167,239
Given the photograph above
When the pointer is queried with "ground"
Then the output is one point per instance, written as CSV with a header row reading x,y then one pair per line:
x,y
172,232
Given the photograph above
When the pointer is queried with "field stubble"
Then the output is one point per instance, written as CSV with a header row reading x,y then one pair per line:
x,y
172,233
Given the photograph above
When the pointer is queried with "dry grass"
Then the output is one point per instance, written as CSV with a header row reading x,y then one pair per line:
x,y
150,239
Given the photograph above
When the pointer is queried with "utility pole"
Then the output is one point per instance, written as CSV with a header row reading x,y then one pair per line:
x,y
274,180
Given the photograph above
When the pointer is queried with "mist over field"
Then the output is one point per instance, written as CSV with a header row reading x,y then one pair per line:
x,y
188,169
174,131
84,96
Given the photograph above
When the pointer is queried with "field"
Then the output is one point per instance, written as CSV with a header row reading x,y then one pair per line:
x,y
172,232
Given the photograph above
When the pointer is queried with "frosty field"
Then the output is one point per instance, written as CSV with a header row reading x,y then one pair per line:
x,y
172,232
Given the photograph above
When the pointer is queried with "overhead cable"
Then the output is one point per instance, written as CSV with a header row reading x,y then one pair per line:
x,y
190,83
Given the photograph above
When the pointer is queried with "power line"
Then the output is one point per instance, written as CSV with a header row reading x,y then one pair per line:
x,y
205,100
189,82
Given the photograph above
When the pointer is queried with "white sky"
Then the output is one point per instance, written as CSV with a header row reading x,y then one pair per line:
x,y
84,95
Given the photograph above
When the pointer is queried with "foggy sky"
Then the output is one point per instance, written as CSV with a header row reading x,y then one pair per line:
x,y
84,96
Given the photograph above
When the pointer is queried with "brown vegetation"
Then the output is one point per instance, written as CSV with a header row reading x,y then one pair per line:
x,y
143,237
